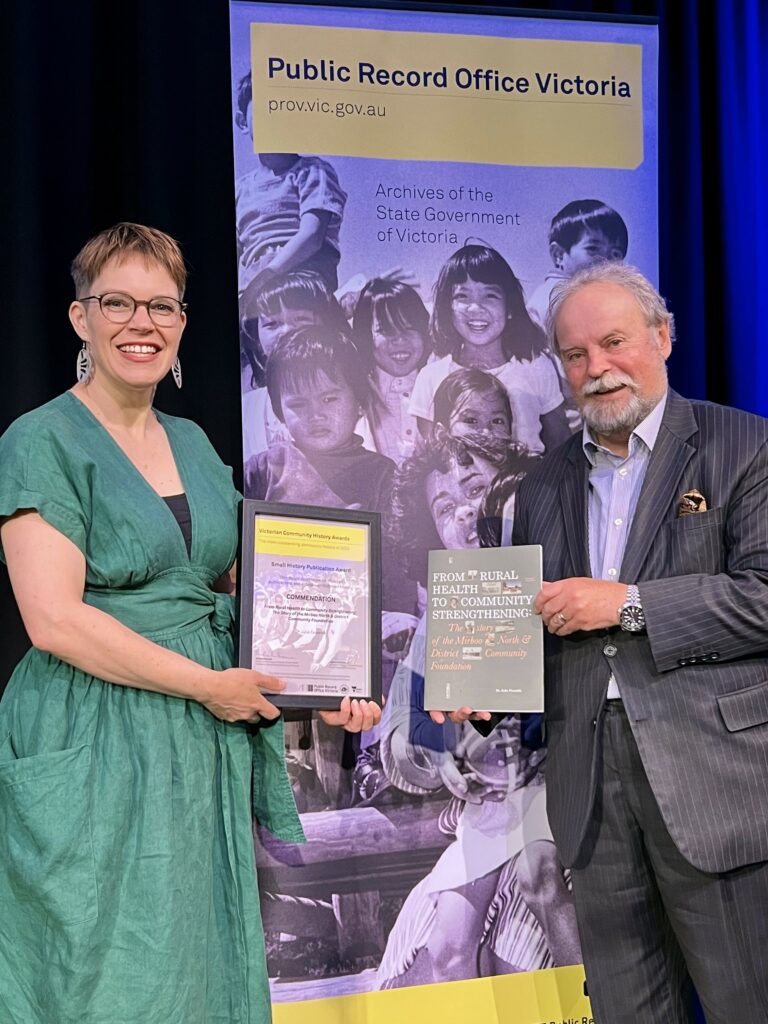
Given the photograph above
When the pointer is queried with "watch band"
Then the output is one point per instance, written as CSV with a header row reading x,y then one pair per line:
x,y
631,615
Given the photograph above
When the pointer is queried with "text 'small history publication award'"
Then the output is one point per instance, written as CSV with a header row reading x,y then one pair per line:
x,y
485,646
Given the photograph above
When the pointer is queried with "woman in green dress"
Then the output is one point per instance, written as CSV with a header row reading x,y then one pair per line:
x,y
131,751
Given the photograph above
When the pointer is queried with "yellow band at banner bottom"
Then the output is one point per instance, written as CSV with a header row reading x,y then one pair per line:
x,y
555,996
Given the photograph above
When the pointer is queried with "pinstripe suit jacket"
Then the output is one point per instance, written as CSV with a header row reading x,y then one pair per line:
x,y
695,686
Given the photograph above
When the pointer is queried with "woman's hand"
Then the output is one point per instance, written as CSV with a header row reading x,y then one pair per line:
x,y
238,698
354,715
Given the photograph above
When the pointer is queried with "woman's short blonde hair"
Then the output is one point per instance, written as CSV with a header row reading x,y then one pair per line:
x,y
120,242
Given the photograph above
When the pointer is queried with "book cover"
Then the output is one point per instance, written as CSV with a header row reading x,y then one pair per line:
x,y
485,643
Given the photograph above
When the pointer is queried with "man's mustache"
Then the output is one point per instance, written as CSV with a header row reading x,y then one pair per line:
x,y
608,382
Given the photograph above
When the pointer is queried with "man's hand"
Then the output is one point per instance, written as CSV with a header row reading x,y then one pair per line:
x,y
579,603
464,714
354,715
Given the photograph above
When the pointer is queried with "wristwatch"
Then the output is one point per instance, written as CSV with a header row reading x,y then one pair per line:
x,y
631,614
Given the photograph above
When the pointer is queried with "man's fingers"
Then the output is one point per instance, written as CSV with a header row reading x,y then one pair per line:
x,y
548,597
460,715
371,714
363,715
466,713
354,715
463,713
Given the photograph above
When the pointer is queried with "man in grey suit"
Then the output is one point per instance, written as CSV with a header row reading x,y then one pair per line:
x,y
654,525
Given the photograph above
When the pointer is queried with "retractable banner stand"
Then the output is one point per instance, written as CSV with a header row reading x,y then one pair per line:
x,y
410,188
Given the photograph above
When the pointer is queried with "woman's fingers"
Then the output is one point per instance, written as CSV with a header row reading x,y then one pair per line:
x,y
267,710
238,695
272,683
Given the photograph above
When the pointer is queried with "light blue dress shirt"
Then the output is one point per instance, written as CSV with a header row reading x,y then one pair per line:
x,y
615,482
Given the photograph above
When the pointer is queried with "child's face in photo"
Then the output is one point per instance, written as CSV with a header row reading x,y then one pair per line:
x,y
320,417
592,247
479,312
397,354
454,498
274,326
483,413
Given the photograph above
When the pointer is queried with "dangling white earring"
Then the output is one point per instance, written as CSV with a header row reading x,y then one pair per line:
x,y
84,364
176,371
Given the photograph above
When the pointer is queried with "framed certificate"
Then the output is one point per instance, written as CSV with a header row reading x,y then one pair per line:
x,y
310,601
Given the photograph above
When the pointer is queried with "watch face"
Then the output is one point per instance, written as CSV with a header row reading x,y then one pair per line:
x,y
632,619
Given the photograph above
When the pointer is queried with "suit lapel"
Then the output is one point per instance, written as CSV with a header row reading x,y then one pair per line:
x,y
671,454
573,497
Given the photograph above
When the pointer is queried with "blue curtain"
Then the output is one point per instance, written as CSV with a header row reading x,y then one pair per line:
x,y
712,179
682,190
743,44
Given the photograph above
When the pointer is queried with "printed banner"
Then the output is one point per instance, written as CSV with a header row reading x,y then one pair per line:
x,y
410,189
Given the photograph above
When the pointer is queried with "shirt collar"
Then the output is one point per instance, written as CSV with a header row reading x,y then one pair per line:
x,y
646,431
387,384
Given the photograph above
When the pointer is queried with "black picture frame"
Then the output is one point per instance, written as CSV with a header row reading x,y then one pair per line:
x,y
249,573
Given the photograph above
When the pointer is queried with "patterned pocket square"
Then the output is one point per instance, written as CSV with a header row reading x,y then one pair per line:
x,y
692,501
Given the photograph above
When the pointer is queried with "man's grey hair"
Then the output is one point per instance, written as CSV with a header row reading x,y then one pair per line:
x,y
652,305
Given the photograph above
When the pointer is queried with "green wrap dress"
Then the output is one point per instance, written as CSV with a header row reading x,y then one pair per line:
x,y
127,879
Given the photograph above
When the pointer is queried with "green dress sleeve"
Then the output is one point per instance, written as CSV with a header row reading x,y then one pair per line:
x,y
36,474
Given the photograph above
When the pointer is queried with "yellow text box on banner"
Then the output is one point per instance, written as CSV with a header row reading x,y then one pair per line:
x,y
309,539
431,96
555,996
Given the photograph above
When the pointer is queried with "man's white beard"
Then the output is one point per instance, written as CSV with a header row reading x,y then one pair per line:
x,y
607,421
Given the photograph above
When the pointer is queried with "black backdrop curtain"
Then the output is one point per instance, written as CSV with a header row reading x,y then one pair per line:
x,y
122,112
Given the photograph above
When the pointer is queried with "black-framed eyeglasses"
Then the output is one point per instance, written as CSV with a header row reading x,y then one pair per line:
x,y
119,307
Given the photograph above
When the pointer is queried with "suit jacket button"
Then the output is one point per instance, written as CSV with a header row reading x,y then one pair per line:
x,y
714,656
610,650
682,662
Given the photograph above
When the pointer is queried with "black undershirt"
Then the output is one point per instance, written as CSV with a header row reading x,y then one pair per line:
x,y
179,506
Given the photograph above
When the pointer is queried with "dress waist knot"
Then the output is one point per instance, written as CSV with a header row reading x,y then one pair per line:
x,y
169,604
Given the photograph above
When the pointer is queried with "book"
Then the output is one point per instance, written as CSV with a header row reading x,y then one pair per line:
x,y
485,643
